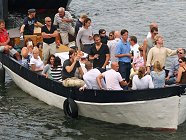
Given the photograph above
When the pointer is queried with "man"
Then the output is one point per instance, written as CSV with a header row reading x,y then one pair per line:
x,y
103,36
113,79
90,77
70,65
99,53
112,46
158,53
49,33
124,56
4,40
172,75
149,43
153,24
64,19
134,46
29,22
79,23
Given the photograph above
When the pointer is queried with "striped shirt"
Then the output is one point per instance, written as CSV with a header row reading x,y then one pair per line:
x,y
63,26
56,73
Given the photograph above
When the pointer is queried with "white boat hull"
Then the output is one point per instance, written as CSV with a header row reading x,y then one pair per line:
x,y
166,113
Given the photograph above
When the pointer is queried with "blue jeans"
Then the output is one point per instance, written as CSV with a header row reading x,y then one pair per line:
x,y
124,70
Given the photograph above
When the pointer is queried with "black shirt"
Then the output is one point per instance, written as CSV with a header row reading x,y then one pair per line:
x,y
29,25
102,55
51,31
104,39
64,71
78,25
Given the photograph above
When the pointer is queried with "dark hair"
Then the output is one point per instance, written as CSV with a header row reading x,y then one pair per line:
x,y
112,32
101,31
133,38
183,59
154,29
39,43
88,65
96,35
86,20
123,31
57,62
72,51
184,51
48,61
2,21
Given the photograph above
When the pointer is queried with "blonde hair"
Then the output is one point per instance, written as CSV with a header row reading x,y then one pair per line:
x,y
141,72
157,37
157,66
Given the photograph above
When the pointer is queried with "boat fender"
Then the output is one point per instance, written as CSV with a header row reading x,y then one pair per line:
x,y
2,74
70,108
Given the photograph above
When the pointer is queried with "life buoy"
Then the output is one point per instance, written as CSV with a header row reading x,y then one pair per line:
x,y
70,108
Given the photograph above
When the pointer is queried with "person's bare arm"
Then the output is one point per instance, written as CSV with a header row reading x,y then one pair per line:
x,y
144,51
106,61
98,79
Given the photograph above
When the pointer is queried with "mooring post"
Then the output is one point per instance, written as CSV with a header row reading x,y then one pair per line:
x,y
4,9
2,74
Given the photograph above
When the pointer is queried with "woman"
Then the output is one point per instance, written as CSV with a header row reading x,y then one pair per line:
x,y
181,78
158,75
56,69
137,62
36,63
50,62
142,81
85,37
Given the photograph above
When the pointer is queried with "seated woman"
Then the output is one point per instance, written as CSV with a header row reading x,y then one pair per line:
x,y
56,69
181,78
158,75
36,63
137,62
142,81
29,45
46,70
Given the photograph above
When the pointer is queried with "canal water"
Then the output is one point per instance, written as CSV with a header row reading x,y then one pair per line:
x,y
24,117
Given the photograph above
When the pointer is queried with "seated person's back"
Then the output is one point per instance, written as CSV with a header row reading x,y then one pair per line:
x,y
142,81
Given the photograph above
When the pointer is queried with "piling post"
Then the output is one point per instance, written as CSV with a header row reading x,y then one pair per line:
x,y
4,9
2,74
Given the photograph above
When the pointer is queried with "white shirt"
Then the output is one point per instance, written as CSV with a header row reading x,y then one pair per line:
x,y
38,63
90,79
135,49
112,79
149,35
143,83
112,48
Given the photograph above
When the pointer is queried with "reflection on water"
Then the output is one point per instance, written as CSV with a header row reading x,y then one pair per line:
x,y
25,117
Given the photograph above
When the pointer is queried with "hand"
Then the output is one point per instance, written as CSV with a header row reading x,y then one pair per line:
x,y
96,56
77,58
167,78
82,88
64,19
90,37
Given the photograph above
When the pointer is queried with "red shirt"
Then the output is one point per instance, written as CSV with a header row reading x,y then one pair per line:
x,y
3,36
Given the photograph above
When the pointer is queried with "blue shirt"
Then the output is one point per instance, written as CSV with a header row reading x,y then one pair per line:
x,y
158,78
123,48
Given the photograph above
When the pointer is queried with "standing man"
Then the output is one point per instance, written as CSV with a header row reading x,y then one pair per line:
x,y
124,56
134,46
4,40
49,33
149,43
29,22
99,53
153,24
64,20
79,23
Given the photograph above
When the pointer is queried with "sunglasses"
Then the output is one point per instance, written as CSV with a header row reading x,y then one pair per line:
x,y
110,35
179,53
180,61
49,21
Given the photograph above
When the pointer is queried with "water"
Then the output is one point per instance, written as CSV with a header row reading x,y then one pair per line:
x,y
24,117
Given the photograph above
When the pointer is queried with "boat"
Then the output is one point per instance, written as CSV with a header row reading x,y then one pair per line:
x,y
38,4
161,108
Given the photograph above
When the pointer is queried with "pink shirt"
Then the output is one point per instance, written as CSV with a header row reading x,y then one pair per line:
x,y
138,62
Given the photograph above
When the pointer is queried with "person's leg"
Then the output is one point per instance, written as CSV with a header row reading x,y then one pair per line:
x,y
127,71
122,70
71,31
64,38
171,81
45,52
53,48
15,54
